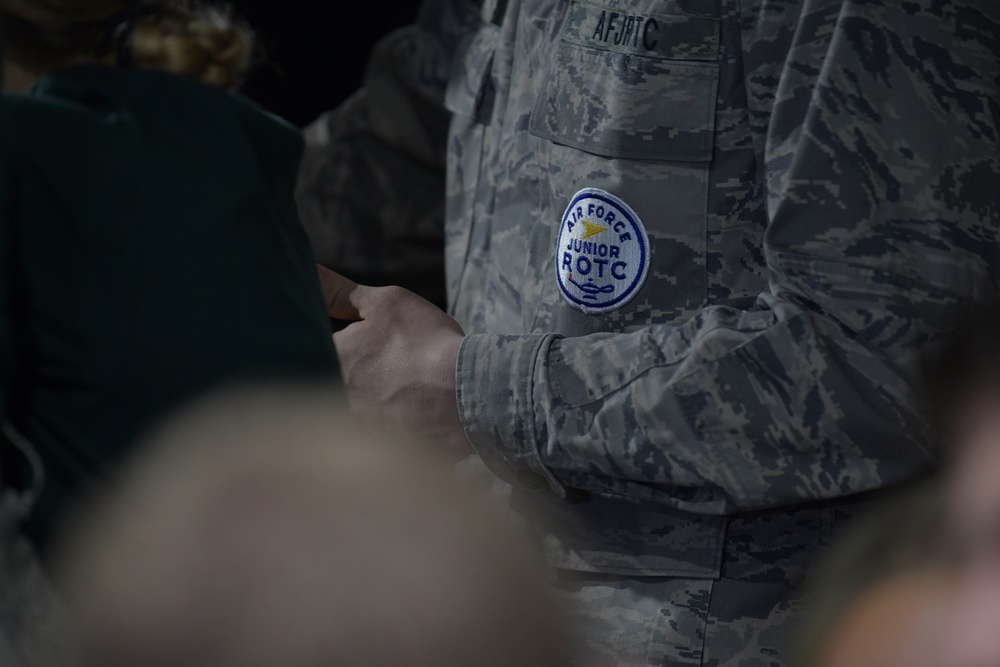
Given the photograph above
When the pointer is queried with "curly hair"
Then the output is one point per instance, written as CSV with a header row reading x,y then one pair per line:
x,y
205,43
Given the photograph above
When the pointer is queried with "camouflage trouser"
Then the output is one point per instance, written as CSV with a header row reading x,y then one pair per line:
x,y
640,625
747,616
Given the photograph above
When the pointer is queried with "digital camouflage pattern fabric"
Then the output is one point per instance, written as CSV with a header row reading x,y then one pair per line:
x,y
818,183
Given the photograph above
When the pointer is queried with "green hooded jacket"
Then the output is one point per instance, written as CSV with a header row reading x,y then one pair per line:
x,y
151,251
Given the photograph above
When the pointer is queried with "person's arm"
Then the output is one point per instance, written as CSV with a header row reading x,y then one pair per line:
x,y
372,181
882,172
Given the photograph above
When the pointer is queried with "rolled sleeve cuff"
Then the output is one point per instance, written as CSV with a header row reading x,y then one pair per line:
x,y
495,390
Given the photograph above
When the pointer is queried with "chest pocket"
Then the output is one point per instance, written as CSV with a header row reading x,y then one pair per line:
x,y
633,86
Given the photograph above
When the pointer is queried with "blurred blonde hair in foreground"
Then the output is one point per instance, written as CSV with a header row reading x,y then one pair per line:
x,y
266,528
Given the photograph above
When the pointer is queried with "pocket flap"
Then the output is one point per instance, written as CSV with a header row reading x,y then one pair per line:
x,y
632,86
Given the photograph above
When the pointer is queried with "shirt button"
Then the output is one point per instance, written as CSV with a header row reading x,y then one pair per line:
x,y
531,480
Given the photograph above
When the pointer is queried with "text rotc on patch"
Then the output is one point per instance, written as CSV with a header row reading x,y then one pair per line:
x,y
602,256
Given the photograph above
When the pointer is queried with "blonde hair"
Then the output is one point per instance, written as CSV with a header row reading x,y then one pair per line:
x,y
183,37
267,526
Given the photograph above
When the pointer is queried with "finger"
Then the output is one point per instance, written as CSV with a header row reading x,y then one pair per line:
x,y
337,292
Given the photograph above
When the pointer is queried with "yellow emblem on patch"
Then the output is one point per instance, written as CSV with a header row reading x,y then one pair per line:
x,y
599,275
592,229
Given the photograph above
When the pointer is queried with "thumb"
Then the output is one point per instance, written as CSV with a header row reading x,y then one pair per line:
x,y
337,291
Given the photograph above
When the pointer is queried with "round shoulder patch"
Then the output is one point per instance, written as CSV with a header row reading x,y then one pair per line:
x,y
602,256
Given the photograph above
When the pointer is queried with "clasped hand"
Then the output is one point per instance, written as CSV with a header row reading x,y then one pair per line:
x,y
398,358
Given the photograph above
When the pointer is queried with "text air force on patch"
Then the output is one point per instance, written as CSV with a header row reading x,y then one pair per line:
x,y
602,255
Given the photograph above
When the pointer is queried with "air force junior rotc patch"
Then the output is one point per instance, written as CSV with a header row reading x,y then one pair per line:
x,y
602,257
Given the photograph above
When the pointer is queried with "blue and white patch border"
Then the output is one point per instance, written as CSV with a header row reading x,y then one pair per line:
x,y
593,305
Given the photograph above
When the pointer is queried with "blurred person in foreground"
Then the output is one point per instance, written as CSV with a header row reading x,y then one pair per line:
x,y
876,598
917,581
263,529
965,382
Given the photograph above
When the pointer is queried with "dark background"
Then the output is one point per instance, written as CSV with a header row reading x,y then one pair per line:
x,y
315,50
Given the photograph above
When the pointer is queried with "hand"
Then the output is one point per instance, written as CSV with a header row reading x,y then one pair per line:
x,y
398,358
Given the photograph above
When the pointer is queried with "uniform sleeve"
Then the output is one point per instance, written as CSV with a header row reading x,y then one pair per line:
x,y
881,174
372,181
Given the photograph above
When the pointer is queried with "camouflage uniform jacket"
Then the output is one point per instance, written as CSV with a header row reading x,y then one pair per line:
x,y
698,247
